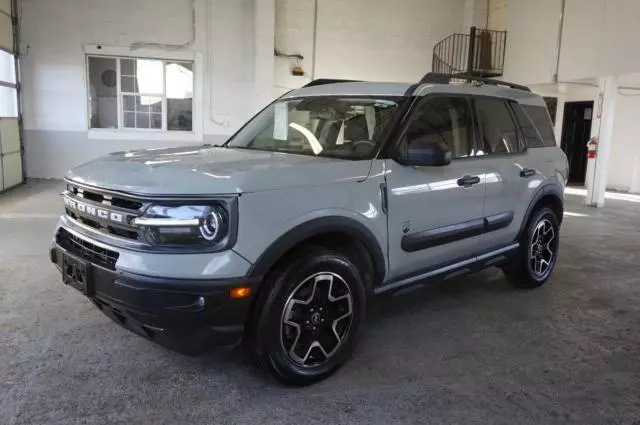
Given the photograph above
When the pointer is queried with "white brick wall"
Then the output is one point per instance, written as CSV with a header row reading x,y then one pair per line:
x,y
377,40
498,18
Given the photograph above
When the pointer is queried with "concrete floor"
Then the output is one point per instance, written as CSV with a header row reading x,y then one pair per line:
x,y
472,350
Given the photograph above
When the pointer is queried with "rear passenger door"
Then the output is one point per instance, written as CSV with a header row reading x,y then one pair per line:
x,y
509,179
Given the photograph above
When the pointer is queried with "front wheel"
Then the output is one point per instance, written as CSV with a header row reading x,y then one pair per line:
x,y
310,318
538,251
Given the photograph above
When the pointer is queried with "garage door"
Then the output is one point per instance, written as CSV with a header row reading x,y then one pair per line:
x,y
10,146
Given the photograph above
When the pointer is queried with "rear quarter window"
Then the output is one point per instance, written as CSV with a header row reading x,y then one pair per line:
x,y
536,126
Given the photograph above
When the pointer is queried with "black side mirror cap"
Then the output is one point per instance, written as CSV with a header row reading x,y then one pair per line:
x,y
426,155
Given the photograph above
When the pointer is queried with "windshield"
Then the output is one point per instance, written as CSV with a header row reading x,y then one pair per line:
x,y
348,128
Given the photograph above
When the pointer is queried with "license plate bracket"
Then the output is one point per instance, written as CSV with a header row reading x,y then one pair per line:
x,y
77,274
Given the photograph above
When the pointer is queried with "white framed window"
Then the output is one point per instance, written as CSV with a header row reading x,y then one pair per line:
x,y
140,94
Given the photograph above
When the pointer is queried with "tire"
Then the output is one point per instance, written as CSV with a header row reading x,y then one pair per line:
x,y
538,251
309,317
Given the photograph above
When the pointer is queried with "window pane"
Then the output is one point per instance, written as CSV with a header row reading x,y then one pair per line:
x,y
129,119
103,105
129,85
127,67
531,135
156,106
150,76
443,120
142,120
499,134
156,121
8,102
138,111
540,118
129,102
179,96
179,114
7,67
150,103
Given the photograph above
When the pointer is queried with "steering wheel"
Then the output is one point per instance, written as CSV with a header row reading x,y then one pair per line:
x,y
354,145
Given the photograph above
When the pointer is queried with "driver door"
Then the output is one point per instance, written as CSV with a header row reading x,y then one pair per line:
x,y
436,212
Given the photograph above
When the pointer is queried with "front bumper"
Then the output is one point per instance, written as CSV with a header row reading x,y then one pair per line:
x,y
185,315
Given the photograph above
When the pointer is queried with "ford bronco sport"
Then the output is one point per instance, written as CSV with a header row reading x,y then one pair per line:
x,y
333,193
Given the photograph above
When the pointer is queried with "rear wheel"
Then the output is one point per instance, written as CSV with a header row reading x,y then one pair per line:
x,y
310,317
538,251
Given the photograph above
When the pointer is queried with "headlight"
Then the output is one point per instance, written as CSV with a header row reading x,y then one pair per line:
x,y
185,225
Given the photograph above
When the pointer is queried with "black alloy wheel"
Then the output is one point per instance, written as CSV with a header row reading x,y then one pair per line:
x,y
538,252
308,319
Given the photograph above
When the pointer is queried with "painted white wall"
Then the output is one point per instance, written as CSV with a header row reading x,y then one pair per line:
x,y
475,14
235,71
498,16
624,171
532,33
377,40
600,38
232,51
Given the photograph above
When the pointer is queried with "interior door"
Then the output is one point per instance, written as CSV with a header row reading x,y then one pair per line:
x,y
435,213
576,130
10,145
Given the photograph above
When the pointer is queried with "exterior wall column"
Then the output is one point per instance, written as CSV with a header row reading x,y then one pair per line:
x,y
602,131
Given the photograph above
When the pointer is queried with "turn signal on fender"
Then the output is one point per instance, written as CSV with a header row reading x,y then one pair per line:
x,y
241,292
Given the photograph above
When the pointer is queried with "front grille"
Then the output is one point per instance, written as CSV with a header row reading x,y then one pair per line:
x,y
95,196
87,250
127,206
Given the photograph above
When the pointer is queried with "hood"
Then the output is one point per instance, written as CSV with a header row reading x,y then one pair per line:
x,y
205,170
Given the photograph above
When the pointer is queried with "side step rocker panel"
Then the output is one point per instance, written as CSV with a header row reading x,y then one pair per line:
x,y
449,271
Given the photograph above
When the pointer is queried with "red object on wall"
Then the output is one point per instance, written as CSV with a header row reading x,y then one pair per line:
x,y
592,148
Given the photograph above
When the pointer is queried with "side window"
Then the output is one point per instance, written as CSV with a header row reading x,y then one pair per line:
x,y
536,125
441,120
498,131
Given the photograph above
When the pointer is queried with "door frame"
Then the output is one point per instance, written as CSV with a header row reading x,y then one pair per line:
x,y
566,121
15,27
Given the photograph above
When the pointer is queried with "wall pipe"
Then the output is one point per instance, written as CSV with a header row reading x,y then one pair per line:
x,y
315,40
559,46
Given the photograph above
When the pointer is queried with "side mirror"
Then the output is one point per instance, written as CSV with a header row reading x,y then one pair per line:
x,y
424,153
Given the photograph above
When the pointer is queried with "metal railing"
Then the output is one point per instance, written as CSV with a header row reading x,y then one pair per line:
x,y
477,54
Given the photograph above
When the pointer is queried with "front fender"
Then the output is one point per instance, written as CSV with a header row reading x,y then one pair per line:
x,y
317,226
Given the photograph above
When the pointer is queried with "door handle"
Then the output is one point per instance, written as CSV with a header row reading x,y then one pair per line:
x,y
527,172
468,181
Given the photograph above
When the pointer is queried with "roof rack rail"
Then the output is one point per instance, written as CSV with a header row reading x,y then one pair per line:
x,y
438,78
323,81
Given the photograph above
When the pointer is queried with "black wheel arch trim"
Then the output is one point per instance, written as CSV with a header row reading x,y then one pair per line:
x,y
549,189
316,227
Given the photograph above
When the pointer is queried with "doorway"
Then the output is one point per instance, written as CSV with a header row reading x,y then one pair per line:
x,y
576,130
11,160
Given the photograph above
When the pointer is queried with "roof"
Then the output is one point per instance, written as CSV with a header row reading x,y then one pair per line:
x,y
403,89
352,89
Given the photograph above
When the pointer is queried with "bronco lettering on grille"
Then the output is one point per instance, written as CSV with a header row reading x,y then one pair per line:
x,y
90,210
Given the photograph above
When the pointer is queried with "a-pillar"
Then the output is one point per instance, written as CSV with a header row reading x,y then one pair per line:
x,y
602,131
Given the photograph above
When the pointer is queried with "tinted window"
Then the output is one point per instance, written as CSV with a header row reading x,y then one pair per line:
x,y
497,129
445,120
536,124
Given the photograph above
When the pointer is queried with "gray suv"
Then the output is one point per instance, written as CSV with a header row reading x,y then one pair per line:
x,y
333,193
